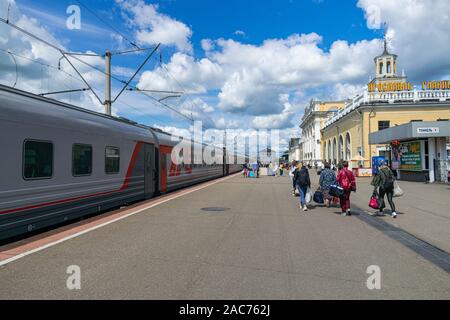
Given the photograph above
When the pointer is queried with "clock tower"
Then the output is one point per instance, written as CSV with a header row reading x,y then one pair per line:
x,y
386,67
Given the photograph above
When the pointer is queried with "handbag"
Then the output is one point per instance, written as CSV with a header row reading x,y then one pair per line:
x,y
318,197
398,192
336,191
308,196
373,203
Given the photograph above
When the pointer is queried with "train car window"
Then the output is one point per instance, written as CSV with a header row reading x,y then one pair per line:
x,y
37,159
112,160
81,159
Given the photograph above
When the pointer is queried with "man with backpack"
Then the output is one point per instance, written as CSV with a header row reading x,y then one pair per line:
x,y
302,181
384,181
346,180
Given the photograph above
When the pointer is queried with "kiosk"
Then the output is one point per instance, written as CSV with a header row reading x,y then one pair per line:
x,y
418,149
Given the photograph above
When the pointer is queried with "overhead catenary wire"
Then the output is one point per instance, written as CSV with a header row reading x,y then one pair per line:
x,y
107,24
66,73
181,86
63,91
39,62
135,89
137,71
65,54
115,53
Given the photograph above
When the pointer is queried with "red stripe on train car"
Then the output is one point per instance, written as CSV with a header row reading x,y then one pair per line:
x,y
131,165
137,148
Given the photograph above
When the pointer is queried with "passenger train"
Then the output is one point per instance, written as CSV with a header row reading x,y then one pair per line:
x,y
60,162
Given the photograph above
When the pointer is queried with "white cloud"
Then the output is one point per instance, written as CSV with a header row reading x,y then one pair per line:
x,y
250,78
342,91
194,76
222,123
274,121
240,33
237,84
196,108
39,77
207,44
419,34
60,21
155,27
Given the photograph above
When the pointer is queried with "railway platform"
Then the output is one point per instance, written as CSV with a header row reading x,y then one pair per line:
x,y
237,238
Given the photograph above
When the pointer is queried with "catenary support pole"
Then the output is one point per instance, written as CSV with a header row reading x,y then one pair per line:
x,y
108,82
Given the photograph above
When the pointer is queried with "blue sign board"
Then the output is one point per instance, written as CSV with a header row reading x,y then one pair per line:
x,y
376,162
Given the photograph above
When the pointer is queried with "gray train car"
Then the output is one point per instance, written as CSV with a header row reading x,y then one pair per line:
x,y
60,162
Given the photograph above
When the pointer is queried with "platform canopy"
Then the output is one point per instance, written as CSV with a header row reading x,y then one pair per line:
x,y
411,131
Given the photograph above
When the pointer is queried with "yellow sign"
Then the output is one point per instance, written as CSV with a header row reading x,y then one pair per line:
x,y
436,85
389,86
364,172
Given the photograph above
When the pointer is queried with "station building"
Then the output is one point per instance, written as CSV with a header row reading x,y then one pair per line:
x,y
313,121
295,150
388,101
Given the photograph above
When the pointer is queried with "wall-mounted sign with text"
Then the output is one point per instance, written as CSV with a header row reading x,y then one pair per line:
x,y
389,86
410,156
436,85
428,130
406,86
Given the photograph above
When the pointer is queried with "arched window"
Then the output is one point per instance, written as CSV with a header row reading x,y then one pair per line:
x,y
381,68
341,148
348,147
388,67
334,150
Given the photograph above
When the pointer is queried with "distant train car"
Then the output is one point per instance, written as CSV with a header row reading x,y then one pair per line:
x,y
60,162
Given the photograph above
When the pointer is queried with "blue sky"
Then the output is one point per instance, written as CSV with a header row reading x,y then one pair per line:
x,y
243,64
260,20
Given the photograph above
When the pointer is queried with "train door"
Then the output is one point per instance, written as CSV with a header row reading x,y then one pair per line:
x,y
150,170
165,166
224,162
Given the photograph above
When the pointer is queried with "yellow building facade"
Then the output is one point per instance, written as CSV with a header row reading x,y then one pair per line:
x,y
348,137
388,100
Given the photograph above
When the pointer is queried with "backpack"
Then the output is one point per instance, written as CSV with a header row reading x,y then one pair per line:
x,y
388,179
345,182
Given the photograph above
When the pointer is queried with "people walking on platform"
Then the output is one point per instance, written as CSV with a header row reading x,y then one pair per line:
x,y
245,170
302,181
333,166
291,175
327,178
258,166
384,181
346,180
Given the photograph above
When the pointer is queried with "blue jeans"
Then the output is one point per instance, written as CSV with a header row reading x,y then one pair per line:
x,y
302,190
